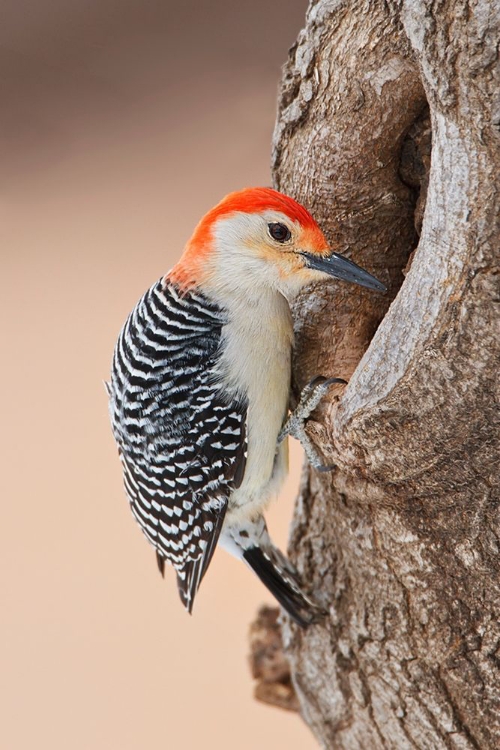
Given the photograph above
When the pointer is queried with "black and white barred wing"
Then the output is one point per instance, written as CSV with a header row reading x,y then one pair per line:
x,y
182,445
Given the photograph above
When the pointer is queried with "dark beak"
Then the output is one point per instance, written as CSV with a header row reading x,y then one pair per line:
x,y
341,268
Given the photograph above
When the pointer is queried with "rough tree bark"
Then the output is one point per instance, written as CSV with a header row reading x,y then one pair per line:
x,y
401,542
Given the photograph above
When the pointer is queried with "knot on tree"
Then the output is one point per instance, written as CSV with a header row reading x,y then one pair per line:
x,y
268,663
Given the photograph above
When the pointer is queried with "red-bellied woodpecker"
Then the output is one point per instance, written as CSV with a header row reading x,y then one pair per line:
x,y
200,387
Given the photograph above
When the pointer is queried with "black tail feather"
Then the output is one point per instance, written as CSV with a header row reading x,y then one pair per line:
x,y
283,587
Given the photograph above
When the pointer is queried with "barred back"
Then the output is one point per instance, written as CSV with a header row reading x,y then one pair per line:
x,y
182,445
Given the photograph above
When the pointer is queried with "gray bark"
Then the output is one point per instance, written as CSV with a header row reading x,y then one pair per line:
x,y
401,542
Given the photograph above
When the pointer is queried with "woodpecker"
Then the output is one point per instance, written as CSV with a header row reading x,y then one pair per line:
x,y
199,390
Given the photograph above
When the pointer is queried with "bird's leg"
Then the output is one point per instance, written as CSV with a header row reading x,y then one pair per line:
x,y
295,425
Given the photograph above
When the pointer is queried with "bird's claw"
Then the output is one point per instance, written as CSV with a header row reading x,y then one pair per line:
x,y
310,397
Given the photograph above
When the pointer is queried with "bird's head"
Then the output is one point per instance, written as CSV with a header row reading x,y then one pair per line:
x,y
257,238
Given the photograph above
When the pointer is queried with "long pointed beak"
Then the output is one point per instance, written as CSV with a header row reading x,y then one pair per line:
x,y
341,268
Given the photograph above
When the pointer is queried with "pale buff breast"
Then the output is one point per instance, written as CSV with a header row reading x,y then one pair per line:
x,y
256,361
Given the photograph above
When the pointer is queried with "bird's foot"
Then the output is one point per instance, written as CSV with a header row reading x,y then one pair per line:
x,y
295,425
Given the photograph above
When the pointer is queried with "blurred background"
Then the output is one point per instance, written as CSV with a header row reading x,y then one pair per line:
x,y
121,123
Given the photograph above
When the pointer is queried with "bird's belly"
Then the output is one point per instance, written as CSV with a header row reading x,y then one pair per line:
x,y
255,493
256,362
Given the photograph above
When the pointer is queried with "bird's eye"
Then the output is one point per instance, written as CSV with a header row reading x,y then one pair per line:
x,y
279,232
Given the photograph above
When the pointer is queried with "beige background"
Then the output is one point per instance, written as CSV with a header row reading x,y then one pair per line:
x,y
121,123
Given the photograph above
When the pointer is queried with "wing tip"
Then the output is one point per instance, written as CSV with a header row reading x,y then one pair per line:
x,y
186,593
192,572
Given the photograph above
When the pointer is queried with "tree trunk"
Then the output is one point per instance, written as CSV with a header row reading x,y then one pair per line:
x,y
401,542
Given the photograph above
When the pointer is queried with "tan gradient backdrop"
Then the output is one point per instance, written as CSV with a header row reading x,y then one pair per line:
x,y
121,123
